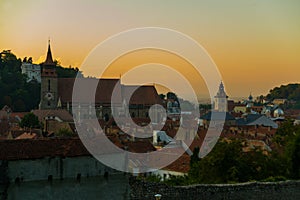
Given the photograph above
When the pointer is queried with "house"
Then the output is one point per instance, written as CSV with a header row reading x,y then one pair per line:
x,y
32,71
214,119
54,120
256,120
297,121
279,101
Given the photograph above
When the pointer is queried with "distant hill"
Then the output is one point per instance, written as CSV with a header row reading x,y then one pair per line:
x,y
290,92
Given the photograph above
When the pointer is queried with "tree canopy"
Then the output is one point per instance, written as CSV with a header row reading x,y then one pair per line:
x,y
290,92
15,91
30,121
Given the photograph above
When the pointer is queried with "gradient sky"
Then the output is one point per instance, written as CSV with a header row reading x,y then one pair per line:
x,y
255,43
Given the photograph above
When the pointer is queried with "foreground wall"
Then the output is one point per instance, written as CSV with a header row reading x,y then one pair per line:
x,y
92,188
55,168
83,177
280,190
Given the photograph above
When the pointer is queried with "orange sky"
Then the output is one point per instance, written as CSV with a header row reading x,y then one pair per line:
x,y
255,44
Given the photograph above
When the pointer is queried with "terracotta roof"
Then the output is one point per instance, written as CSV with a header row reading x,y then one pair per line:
x,y
64,115
103,95
18,114
39,148
182,164
26,136
146,95
218,116
140,146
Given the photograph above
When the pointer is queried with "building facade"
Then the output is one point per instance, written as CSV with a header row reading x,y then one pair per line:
x,y
32,71
57,92
220,100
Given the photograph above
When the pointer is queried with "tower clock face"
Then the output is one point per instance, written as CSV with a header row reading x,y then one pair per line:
x,y
49,96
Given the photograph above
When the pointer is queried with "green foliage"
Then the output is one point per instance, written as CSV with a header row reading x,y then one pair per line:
x,y
295,157
172,95
64,132
274,179
154,178
67,72
195,157
227,163
162,96
14,89
30,121
290,92
205,106
177,180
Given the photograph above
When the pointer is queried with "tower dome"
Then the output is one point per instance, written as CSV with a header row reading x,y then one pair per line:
x,y
250,98
278,112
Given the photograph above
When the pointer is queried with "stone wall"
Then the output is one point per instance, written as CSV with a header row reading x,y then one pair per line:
x,y
55,168
93,188
253,190
44,178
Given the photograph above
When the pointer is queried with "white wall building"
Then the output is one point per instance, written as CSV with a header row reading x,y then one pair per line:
x,y
33,71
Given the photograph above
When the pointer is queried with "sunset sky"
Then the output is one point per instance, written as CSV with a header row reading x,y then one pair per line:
x,y
254,43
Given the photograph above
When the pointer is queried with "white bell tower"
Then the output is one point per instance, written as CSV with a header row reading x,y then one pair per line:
x,y
220,101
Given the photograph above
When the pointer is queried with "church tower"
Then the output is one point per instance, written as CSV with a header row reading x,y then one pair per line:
x,y
220,101
48,83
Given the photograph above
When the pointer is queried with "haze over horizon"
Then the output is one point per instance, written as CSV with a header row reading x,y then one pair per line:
x,y
255,44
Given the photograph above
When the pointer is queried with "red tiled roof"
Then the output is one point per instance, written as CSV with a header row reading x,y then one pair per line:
x,y
146,95
182,164
39,148
26,136
140,146
64,115
104,90
18,114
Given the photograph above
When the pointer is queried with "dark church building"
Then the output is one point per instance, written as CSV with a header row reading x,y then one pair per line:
x,y
56,93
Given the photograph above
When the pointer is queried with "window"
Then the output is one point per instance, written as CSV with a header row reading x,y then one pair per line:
x,y
48,85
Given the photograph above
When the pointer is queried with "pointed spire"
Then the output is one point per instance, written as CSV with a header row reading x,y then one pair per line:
x,y
221,91
59,103
49,60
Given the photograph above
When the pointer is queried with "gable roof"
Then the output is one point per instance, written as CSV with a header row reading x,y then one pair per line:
x,y
218,116
62,114
256,119
146,95
39,148
103,94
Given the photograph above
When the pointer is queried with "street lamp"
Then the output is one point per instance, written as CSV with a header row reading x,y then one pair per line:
x,y
157,196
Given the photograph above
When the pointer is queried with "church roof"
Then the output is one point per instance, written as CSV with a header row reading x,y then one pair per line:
x,y
146,95
64,115
49,59
103,92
